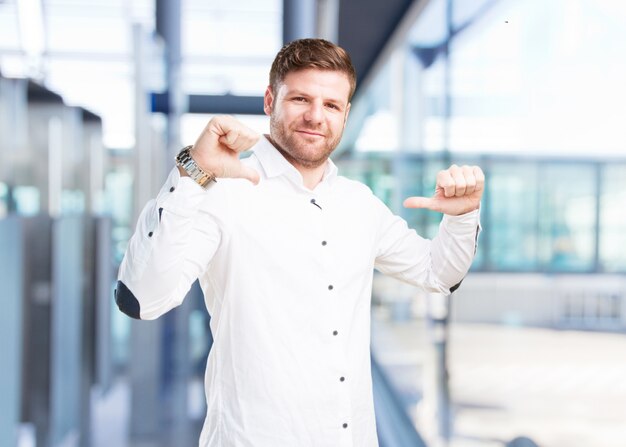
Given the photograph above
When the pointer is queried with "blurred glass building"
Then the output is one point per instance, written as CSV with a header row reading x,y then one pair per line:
x,y
529,351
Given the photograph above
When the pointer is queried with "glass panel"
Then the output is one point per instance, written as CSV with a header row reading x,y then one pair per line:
x,y
228,46
433,100
26,200
512,216
567,217
379,131
516,78
4,200
613,219
409,172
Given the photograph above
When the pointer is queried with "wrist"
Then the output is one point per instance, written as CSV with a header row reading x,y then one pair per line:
x,y
182,172
187,166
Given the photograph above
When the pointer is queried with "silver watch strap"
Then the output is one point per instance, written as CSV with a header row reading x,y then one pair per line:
x,y
197,174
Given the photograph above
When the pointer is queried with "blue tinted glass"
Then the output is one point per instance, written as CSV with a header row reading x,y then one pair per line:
x,y
567,217
613,219
511,237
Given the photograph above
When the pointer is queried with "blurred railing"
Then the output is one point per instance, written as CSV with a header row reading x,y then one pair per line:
x,y
395,428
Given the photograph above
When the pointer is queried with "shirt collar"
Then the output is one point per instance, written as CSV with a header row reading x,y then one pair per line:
x,y
275,164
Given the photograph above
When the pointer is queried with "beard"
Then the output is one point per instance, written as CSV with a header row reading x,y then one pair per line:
x,y
296,149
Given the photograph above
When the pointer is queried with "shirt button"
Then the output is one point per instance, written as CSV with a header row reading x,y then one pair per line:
x,y
345,425
150,234
341,379
172,189
323,242
330,287
335,332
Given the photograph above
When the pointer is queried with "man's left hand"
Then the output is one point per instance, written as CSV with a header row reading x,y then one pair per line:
x,y
458,191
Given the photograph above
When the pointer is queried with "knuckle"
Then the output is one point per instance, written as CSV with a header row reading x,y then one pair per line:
x,y
446,183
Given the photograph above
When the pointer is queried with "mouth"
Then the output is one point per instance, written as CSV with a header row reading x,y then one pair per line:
x,y
310,133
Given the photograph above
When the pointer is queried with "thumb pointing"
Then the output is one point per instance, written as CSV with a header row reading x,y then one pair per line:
x,y
418,202
250,174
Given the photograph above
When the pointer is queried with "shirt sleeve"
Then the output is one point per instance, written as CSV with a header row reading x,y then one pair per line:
x,y
437,265
173,243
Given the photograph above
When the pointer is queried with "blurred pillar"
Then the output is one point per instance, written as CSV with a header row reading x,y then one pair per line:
x,y
36,319
168,26
69,369
175,336
299,19
328,20
103,280
144,360
411,116
159,363
436,390
142,160
11,277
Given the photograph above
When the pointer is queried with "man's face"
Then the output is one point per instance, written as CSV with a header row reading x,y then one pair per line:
x,y
308,114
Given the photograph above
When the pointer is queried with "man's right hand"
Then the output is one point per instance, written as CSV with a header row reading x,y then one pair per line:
x,y
218,147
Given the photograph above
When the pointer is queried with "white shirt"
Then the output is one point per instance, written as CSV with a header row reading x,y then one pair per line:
x,y
287,275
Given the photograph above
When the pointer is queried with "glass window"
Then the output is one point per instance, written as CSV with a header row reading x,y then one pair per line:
x,y
511,230
516,77
228,46
567,217
613,219
4,200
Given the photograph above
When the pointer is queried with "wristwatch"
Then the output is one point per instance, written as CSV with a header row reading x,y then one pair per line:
x,y
197,174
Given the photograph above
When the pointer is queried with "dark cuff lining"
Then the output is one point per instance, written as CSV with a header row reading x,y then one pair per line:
x,y
456,286
126,301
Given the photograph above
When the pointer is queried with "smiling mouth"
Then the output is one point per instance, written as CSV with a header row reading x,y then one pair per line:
x,y
311,133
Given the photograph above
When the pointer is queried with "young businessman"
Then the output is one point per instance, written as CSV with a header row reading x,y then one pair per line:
x,y
284,249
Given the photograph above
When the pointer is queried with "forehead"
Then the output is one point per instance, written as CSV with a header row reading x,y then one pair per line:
x,y
328,83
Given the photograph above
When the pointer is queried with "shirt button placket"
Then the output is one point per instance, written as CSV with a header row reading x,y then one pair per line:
x,y
333,300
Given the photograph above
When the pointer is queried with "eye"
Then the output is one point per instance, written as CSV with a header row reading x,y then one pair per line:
x,y
299,99
330,105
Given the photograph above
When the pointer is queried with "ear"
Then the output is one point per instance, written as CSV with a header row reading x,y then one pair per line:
x,y
268,100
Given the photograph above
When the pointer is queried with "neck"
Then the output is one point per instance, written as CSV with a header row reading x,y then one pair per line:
x,y
311,175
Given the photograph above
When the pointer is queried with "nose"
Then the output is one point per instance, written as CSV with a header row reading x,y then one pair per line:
x,y
314,113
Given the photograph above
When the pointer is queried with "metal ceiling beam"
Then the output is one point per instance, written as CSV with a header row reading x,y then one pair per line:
x,y
368,29
365,28
213,104
299,19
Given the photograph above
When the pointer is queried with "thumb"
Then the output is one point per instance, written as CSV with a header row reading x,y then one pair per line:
x,y
418,202
250,174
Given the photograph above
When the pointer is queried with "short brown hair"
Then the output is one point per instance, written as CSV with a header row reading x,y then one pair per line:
x,y
311,53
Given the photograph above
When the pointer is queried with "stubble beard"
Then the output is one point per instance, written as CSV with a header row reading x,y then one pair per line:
x,y
297,151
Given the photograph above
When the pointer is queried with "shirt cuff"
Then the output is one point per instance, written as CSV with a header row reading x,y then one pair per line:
x,y
180,195
463,223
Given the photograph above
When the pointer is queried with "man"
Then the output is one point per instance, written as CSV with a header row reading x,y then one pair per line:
x,y
284,250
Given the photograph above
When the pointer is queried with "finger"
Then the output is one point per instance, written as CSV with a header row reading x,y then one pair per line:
x,y
446,183
480,178
237,170
470,179
250,174
418,202
459,180
233,134
229,139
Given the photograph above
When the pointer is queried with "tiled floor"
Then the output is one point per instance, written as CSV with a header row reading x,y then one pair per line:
x,y
559,388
